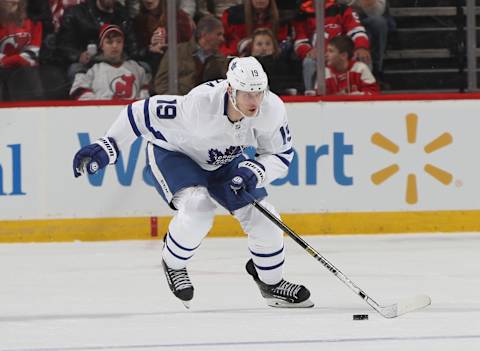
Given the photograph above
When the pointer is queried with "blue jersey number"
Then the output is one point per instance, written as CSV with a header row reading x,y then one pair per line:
x,y
167,109
285,134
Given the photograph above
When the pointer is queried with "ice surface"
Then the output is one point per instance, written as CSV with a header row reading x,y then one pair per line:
x,y
113,296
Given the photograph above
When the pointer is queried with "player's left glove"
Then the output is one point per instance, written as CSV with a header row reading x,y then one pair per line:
x,y
95,156
248,176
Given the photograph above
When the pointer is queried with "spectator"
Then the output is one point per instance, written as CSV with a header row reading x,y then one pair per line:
x,y
114,77
132,6
52,72
374,16
48,52
151,31
58,7
264,43
287,9
200,57
339,20
266,50
80,28
39,11
199,8
343,74
240,21
20,40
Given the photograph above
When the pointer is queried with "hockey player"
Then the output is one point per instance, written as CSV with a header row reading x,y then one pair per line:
x,y
195,156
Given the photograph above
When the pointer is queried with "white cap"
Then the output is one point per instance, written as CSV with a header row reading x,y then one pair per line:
x,y
247,74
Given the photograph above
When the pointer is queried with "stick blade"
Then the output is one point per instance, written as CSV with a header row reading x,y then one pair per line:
x,y
405,306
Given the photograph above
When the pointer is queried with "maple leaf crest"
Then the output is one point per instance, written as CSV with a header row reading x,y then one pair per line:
x,y
216,157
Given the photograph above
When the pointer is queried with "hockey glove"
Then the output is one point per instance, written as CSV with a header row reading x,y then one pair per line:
x,y
95,156
248,176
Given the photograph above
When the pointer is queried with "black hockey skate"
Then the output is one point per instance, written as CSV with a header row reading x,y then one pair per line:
x,y
283,294
179,283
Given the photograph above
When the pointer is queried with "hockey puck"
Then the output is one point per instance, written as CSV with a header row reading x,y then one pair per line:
x,y
360,317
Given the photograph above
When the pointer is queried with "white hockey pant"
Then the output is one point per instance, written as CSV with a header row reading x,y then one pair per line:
x,y
189,226
265,242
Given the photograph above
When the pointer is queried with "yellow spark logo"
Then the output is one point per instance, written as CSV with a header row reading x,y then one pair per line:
x,y
411,194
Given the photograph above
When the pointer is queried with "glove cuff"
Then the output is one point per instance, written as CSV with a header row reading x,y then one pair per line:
x,y
256,168
110,147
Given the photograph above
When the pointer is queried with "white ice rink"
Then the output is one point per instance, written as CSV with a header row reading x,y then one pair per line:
x,y
113,296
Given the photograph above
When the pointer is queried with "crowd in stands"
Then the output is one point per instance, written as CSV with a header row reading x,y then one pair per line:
x,y
110,49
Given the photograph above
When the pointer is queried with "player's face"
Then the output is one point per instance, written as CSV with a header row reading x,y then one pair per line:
x,y
249,102
262,45
112,48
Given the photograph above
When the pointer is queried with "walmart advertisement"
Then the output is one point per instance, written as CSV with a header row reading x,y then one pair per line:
x,y
365,157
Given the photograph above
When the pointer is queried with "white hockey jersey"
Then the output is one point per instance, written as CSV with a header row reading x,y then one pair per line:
x,y
197,125
104,81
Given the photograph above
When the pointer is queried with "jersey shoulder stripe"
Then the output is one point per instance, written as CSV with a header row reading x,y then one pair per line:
x,y
131,119
146,113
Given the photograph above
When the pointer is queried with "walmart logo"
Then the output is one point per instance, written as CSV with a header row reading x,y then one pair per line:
x,y
411,193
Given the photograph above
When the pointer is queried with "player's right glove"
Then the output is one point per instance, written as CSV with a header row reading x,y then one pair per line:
x,y
95,156
248,176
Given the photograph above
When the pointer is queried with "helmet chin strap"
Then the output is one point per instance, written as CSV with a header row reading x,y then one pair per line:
x,y
233,99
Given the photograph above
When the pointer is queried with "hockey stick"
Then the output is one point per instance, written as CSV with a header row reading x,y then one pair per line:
x,y
390,311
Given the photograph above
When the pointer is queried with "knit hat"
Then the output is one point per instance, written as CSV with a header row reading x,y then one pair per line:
x,y
107,29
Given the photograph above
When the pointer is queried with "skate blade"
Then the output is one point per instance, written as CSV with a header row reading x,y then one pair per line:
x,y
284,304
186,304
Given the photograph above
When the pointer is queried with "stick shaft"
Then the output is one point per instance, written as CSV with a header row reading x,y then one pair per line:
x,y
314,253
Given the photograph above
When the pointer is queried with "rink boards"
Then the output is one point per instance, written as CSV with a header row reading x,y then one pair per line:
x,y
359,167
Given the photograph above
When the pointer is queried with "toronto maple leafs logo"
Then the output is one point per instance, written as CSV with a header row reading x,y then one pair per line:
x,y
218,158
